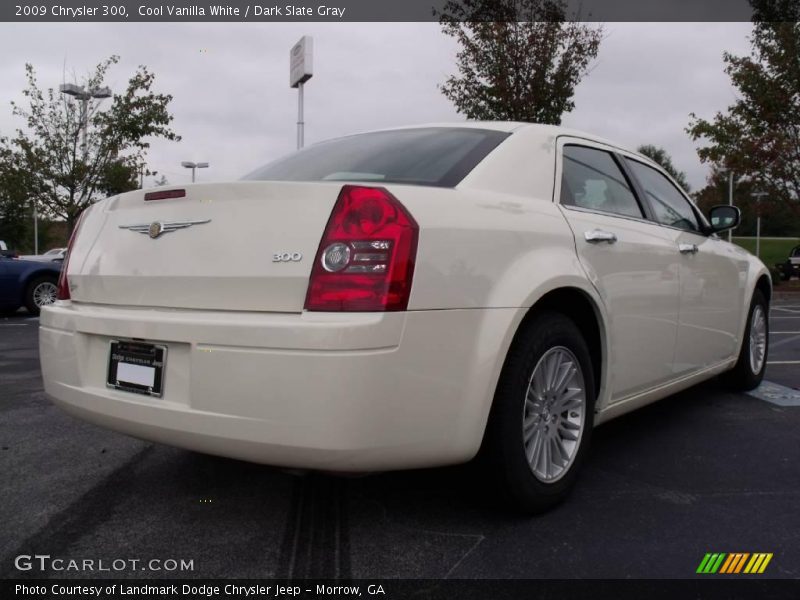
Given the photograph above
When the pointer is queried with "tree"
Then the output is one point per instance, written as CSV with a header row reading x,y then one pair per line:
x,y
71,174
16,209
161,181
661,157
777,218
519,59
759,134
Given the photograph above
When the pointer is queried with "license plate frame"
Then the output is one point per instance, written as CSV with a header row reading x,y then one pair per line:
x,y
143,370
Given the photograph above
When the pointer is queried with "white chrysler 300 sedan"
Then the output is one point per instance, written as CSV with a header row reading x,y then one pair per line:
x,y
403,299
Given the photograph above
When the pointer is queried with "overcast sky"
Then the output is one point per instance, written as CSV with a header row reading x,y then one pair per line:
x,y
234,108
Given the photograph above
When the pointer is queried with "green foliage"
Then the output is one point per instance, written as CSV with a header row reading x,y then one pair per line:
x,y
69,174
772,251
759,134
661,157
519,59
16,210
777,217
118,176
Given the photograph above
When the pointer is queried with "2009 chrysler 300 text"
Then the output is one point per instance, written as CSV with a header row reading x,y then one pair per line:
x,y
402,299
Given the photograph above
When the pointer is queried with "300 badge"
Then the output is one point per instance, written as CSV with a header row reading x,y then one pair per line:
x,y
287,257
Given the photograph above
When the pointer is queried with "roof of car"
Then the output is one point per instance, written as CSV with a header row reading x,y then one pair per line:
x,y
514,126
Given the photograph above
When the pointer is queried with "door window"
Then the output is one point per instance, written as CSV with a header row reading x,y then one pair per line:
x,y
592,179
670,207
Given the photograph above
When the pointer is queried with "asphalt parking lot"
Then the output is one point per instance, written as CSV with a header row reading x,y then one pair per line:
x,y
703,471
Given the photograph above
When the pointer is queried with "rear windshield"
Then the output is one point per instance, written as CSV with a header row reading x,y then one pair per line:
x,y
435,156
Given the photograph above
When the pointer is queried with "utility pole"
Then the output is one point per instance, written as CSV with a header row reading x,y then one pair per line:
x,y
301,58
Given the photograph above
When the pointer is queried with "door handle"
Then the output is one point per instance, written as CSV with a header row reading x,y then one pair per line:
x,y
687,248
596,236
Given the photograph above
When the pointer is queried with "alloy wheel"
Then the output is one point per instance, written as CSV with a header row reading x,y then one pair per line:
x,y
554,414
758,338
44,293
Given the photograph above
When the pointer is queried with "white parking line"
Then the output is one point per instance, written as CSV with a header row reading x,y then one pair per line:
x,y
776,394
789,310
784,332
14,324
783,362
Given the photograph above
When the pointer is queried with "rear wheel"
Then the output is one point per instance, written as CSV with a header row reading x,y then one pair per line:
x,y
542,415
752,362
40,292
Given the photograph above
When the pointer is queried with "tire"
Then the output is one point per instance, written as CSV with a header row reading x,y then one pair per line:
x,y
786,271
516,426
748,372
40,292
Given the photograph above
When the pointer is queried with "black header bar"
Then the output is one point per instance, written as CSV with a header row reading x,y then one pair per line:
x,y
277,11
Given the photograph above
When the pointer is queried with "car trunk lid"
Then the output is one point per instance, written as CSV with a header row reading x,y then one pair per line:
x,y
233,246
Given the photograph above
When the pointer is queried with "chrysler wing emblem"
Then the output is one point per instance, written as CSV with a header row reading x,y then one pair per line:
x,y
156,228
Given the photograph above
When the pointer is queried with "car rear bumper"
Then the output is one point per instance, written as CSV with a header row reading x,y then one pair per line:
x,y
340,392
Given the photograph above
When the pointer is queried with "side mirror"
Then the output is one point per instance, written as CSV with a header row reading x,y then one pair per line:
x,y
724,217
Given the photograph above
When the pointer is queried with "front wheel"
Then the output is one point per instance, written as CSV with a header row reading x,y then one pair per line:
x,y
542,416
752,361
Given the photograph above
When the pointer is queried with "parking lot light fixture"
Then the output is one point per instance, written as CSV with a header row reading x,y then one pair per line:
x,y
194,166
83,96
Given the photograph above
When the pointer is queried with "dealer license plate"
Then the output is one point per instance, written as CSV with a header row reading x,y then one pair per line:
x,y
137,367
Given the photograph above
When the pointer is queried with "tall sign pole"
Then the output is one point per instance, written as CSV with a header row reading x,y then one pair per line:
x,y
301,68
301,124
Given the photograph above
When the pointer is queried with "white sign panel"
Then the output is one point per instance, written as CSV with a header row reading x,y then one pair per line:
x,y
301,61
136,374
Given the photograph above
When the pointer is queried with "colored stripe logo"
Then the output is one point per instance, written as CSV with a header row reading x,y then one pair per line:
x,y
734,563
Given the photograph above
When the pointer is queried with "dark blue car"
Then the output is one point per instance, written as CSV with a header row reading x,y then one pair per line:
x,y
27,283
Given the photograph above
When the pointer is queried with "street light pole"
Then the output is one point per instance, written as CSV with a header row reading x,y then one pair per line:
x,y
730,194
730,200
758,196
193,166
35,229
83,96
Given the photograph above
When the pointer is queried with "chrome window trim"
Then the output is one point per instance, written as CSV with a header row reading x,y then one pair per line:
x,y
692,206
602,213
564,140
600,148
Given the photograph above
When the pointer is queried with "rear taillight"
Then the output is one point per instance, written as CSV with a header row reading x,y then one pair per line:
x,y
365,261
62,292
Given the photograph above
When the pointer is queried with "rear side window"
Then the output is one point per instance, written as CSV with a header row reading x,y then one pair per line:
x,y
435,156
592,179
670,207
